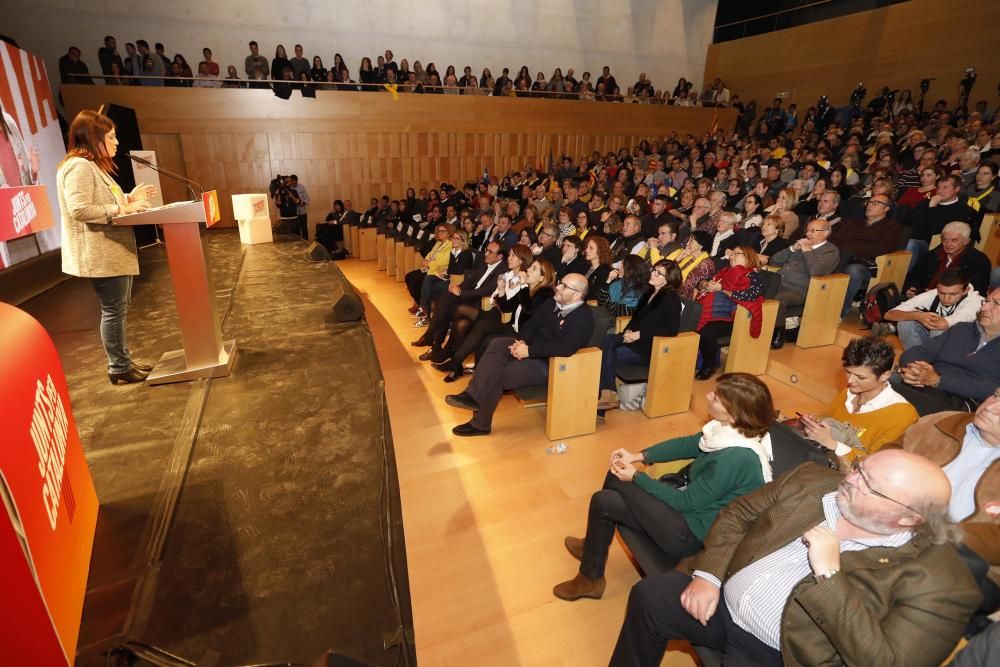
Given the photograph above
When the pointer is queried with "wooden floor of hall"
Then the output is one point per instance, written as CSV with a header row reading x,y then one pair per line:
x,y
485,518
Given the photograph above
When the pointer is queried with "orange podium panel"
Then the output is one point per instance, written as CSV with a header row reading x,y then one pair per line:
x,y
48,499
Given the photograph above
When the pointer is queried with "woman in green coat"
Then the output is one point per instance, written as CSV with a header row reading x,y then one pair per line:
x,y
732,457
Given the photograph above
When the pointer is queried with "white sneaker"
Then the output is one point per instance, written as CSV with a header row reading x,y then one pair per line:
x,y
422,322
420,314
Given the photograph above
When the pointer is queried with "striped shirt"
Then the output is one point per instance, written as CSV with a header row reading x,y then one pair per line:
x,y
756,595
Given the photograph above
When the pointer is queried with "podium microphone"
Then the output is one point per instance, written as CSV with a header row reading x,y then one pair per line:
x,y
177,177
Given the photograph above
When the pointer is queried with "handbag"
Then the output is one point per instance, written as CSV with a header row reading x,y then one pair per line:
x,y
631,396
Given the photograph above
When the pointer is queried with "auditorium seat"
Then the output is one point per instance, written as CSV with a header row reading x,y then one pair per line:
x,y
380,251
669,377
820,315
746,353
390,256
892,268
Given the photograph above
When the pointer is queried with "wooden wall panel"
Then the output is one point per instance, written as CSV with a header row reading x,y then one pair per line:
x,y
896,46
359,145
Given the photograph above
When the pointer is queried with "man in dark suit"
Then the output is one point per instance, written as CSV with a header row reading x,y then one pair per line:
x,y
817,569
479,282
808,257
562,326
547,248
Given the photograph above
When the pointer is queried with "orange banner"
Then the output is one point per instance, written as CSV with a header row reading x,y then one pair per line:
x,y
24,210
47,528
211,201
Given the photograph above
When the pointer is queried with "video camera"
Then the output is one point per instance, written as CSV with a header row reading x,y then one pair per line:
x,y
969,80
858,95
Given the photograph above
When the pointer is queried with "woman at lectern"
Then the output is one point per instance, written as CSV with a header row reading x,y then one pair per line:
x,y
93,248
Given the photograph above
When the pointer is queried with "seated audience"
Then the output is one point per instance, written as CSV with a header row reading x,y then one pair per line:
x,y
732,456
561,327
954,252
478,282
658,313
625,287
869,413
861,240
738,284
597,253
811,256
572,261
930,217
431,277
967,446
631,241
664,243
694,262
931,313
521,297
725,239
547,248
507,284
772,586
771,240
958,369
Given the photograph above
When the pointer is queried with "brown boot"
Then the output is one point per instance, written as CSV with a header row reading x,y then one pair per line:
x,y
579,587
574,545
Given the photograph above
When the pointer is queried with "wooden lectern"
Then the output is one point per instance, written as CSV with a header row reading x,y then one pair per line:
x,y
205,354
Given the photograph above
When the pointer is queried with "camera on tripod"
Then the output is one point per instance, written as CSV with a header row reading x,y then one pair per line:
x,y
858,95
969,81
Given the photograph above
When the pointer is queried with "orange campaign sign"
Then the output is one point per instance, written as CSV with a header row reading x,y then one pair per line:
x,y
23,211
211,201
48,498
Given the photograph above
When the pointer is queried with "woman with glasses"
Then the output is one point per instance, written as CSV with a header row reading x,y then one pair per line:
x,y
658,313
732,457
431,278
739,284
868,413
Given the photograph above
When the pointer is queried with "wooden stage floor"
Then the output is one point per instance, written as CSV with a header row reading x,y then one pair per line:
x,y
485,518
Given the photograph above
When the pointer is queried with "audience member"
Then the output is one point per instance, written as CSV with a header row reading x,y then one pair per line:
x,y
928,314
694,262
869,413
732,456
954,252
958,369
561,327
771,586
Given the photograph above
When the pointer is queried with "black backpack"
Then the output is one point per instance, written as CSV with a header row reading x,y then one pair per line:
x,y
880,300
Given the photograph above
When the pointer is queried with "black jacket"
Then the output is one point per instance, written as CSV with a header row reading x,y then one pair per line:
x,y
548,334
578,265
973,263
656,316
468,290
553,254
597,279
459,264
530,304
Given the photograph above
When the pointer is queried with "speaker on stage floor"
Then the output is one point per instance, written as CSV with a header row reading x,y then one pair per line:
x,y
317,253
347,307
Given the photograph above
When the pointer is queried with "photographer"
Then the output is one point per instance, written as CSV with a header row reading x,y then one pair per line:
x,y
286,199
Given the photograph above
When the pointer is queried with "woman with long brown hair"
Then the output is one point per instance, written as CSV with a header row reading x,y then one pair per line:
x,y
732,457
91,246
530,286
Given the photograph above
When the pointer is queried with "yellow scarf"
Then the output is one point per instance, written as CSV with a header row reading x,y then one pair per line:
x,y
687,265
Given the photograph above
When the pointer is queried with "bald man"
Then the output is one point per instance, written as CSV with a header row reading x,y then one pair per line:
x,y
817,569
560,327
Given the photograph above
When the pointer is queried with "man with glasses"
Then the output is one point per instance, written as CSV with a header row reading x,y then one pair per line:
x,y
478,282
860,241
561,326
956,370
967,446
817,568
807,257
546,248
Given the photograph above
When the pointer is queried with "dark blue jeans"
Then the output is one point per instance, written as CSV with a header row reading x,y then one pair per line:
x,y
115,295
858,277
614,355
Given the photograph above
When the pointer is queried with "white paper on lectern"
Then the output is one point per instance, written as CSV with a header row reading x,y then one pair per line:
x,y
144,174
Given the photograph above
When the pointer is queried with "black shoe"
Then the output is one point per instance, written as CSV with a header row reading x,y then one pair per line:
x,y
454,375
142,368
462,400
778,339
705,373
423,341
444,366
129,376
426,356
442,356
467,429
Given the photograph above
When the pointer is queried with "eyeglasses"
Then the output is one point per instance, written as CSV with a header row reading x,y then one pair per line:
x,y
856,467
875,201
661,274
562,284
991,302
491,252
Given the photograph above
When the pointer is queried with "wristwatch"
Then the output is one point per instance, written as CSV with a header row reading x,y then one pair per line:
x,y
820,577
